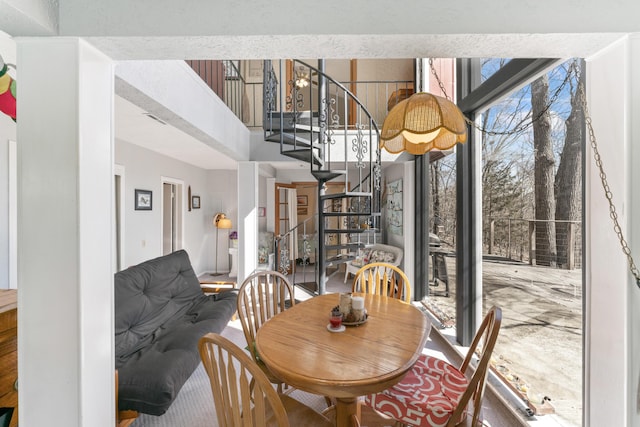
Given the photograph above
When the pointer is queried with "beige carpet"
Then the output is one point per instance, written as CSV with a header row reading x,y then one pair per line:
x,y
193,406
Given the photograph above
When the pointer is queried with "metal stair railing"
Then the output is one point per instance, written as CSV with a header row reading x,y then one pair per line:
x,y
322,123
316,119
284,254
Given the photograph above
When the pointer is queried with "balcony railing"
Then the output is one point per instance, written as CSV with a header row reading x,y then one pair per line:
x,y
516,239
245,98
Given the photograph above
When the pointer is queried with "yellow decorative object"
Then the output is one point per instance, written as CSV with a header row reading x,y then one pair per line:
x,y
421,123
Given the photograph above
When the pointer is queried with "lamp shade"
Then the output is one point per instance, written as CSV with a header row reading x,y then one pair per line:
x,y
421,123
224,223
220,220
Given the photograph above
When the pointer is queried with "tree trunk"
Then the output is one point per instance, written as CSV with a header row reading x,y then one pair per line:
x,y
569,180
544,174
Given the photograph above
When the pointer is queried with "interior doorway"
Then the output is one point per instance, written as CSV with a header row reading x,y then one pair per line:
x,y
172,200
282,211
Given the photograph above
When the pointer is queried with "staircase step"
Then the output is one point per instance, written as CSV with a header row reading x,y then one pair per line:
x,y
345,195
347,246
338,259
309,128
299,138
311,287
327,175
303,154
348,214
290,119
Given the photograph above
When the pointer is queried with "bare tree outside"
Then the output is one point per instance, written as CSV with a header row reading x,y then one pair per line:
x,y
545,247
532,143
568,181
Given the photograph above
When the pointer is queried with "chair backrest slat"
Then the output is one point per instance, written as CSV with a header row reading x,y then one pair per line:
x,y
483,342
261,296
230,372
382,278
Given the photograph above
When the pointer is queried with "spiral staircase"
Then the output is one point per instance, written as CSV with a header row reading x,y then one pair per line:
x,y
317,120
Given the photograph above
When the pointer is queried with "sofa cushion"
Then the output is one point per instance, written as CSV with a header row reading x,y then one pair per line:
x,y
383,253
161,313
150,379
427,396
378,255
150,294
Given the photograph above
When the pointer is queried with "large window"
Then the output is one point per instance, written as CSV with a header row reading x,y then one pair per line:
x,y
531,141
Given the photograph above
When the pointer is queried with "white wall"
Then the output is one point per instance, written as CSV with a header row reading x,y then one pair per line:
x,y
262,202
302,174
612,343
634,228
391,174
143,229
404,171
222,196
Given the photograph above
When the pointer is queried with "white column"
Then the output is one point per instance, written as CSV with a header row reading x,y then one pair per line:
x,y
634,230
612,299
271,205
65,297
248,174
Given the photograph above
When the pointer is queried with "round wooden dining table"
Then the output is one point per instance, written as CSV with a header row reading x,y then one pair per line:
x,y
299,349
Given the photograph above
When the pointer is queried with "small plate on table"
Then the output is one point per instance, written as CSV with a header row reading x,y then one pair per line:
x,y
340,328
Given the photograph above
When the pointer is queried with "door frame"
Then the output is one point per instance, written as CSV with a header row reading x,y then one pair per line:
x,y
178,204
118,217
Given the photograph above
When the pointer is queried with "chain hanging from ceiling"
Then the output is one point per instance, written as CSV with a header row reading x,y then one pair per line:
x,y
592,140
605,185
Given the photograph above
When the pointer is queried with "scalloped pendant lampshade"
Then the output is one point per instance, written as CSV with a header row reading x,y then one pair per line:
x,y
421,123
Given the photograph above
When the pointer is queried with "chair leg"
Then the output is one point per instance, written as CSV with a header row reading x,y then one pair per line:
x,y
330,413
371,418
329,401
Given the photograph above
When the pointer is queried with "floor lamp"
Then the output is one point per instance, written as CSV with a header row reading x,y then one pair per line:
x,y
220,221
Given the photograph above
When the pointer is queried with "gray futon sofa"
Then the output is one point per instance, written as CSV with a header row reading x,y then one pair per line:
x,y
160,314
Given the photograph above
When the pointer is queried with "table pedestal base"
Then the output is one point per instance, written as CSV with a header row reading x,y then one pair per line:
x,y
345,407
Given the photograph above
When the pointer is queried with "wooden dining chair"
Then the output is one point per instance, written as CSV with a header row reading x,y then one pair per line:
x,y
382,278
230,372
436,393
262,295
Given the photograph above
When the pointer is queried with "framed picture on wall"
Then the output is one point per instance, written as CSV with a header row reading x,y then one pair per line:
x,y
302,211
143,200
195,202
302,200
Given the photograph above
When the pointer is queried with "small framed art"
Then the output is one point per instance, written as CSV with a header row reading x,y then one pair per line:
x,y
195,202
143,200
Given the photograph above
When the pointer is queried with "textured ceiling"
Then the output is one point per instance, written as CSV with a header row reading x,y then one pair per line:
x,y
134,126
165,29
357,46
